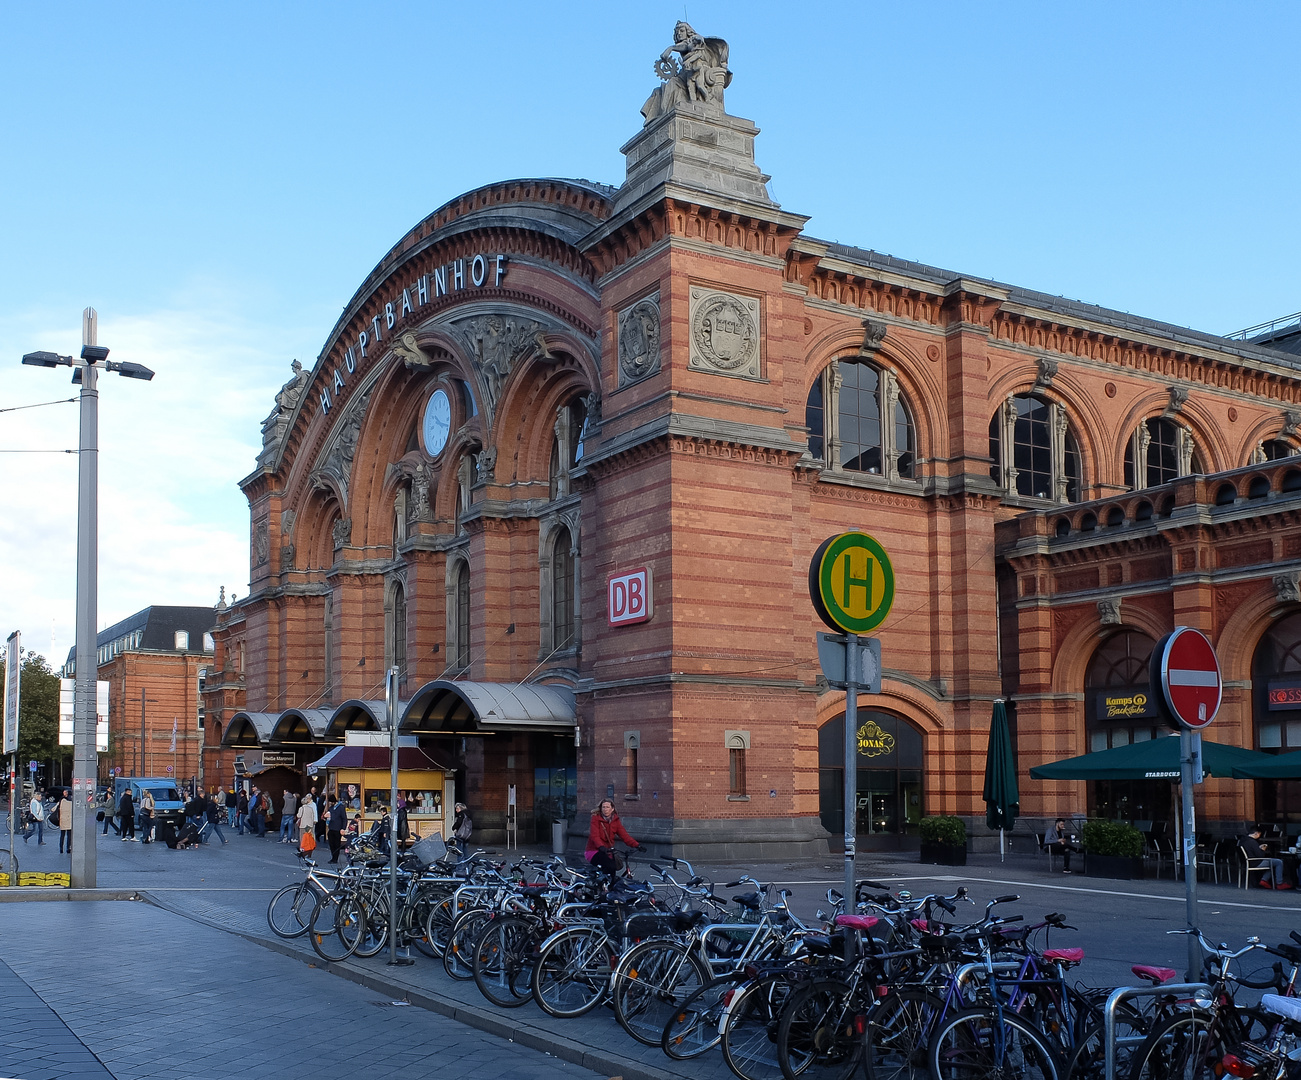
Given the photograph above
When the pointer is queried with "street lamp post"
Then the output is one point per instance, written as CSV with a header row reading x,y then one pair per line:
x,y
85,762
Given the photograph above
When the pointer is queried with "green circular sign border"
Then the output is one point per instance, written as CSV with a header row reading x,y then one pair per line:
x,y
820,585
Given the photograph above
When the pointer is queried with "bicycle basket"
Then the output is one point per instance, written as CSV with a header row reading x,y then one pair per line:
x,y
429,850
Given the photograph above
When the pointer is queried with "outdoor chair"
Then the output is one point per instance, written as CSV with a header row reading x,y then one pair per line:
x,y
1217,856
1155,849
1039,839
1248,866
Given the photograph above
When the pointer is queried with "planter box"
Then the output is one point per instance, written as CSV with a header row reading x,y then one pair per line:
x,y
1113,866
944,854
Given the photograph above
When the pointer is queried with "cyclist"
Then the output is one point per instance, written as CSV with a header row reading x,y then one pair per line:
x,y
606,829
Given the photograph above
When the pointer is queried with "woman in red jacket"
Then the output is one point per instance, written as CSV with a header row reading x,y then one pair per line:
x,y
606,829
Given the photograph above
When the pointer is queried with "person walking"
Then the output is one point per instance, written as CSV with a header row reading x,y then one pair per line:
x,y
256,819
307,819
212,813
338,821
65,820
232,807
107,811
126,812
147,813
241,811
288,817
322,813
36,810
402,827
462,823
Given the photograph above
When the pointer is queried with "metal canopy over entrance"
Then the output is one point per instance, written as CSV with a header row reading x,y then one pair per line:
x,y
357,715
301,726
250,729
449,707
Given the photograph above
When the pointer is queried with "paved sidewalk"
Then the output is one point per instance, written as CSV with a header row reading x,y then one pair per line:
x,y
140,992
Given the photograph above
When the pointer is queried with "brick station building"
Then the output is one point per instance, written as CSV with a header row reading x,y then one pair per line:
x,y
549,387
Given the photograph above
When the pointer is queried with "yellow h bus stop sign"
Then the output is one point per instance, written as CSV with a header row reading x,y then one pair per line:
x,y
851,583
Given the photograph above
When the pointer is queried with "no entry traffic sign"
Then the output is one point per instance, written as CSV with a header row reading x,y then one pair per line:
x,y
1188,673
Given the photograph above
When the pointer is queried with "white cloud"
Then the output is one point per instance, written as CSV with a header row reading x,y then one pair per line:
x,y
173,524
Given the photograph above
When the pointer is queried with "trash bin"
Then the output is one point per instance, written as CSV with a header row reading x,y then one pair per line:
x,y
558,831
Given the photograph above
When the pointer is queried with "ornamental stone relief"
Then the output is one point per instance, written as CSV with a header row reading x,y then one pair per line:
x,y
725,334
639,340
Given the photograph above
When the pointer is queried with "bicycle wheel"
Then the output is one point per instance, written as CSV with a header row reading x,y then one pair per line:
x,y
976,1044
422,905
334,931
1089,1061
375,900
750,1027
503,961
290,912
649,983
572,972
694,1026
898,1034
438,926
822,1032
1185,1046
458,957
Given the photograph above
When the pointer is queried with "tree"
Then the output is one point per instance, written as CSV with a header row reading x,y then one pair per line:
x,y
38,712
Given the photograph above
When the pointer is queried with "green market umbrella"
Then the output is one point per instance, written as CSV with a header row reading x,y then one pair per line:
x,y
1275,767
1155,759
1002,800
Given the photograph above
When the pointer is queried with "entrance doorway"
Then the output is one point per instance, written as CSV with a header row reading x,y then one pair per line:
x,y
891,798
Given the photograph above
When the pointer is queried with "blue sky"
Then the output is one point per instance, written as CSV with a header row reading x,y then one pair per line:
x,y
217,179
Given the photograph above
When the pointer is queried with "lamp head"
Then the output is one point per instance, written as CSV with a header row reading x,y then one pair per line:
x,y
43,359
131,370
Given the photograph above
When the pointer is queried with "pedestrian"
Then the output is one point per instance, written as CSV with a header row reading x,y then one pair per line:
x,y
383,830
606,829
64,810
126,813
241,811
232,807
147,815
288,818
462,824
337,823
307,820
36,814
212,813
107,811
403,828
195,808
257,813
322,813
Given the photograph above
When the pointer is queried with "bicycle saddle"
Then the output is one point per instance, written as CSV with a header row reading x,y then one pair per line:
x,y
1069,956
1286,1007
1155,975
857,922
747,900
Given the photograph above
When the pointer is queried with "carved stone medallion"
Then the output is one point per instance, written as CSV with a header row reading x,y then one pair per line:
x,y
639,340
724,334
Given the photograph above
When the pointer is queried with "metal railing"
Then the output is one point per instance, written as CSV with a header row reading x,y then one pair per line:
x,y
1266,327
1124,993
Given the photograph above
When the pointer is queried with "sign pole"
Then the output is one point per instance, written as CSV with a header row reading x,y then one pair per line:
x,y
13,677
1190,748
851,767
391,710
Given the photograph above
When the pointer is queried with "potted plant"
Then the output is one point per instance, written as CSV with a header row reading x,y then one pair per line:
x,y
1112,849
944,840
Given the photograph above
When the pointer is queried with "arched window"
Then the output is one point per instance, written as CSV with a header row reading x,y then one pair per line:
x,y
1033,449
562,590
462,612
1273,450
398,631
567,446
1166,450
328,680
844,414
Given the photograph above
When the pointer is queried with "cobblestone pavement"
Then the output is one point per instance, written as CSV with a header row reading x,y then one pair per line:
x,y
127,990
227,888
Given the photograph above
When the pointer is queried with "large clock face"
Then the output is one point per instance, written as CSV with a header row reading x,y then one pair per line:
x,y
438,423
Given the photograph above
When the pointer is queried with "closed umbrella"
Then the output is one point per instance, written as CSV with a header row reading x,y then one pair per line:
x,y
1002,800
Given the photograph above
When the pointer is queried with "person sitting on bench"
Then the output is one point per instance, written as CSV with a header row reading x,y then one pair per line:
x,y
1059,842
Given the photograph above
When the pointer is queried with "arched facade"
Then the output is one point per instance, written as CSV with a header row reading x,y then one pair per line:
x,y
549,391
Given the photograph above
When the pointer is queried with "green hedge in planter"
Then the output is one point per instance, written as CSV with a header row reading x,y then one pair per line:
x,y
1113,838
943,830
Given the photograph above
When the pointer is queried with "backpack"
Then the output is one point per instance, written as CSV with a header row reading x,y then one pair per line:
x,y
53,816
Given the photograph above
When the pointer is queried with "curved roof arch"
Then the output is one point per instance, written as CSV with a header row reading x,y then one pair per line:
x,y
301,725
358,715
461,707
249,729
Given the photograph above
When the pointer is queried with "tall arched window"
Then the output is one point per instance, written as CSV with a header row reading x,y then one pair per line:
x,y
1276,712
844,414
462,615
1273,450
562,590
570,431
398,631
328,680
1166,451
1033,449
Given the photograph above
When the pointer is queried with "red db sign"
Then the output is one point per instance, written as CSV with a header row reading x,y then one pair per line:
x,y
629,596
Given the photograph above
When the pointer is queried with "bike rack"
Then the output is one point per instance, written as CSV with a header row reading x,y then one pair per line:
x,y
1125,993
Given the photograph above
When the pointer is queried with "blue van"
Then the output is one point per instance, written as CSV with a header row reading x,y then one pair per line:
x,y
169,806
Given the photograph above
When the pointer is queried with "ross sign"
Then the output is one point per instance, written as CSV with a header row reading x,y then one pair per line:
x,y
279,757
1124,703
1188,674
630,597
851,583
874,741
13,676
1283,694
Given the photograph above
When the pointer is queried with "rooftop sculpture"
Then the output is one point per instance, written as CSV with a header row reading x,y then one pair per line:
x,y
698,79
